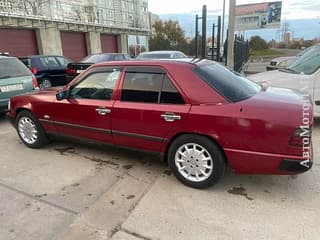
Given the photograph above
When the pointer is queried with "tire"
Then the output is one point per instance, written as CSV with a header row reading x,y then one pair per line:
x,y
45,83
30,130
200,169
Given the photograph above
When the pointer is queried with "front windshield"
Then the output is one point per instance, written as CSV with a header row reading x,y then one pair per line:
x,y
308,63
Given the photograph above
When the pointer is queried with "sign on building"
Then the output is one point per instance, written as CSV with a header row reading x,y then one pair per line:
x,y
258,15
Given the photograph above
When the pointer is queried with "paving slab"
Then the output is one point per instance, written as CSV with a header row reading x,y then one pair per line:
x,y
104,218
22,217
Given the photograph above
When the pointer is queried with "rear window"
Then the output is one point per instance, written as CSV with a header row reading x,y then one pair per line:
x,y
49,62
12,67
97,58
26,61
230,85
155,56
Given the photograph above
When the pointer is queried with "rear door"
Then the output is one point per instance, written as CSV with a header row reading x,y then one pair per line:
x,y
87,112
15,78
150,106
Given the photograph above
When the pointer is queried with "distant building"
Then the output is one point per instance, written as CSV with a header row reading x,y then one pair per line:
x,y
74,28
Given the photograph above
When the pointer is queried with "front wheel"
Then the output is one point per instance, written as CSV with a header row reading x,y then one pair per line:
x,y
30,130
196,161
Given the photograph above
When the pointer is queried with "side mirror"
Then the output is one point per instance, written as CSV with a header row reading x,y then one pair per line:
x,y
62,95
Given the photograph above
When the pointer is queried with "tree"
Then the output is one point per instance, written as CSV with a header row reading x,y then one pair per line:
x,y
257,43
168,36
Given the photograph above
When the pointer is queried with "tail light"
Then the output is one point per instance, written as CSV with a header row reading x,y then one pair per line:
x,y
71,71
301,137
35,83
34,70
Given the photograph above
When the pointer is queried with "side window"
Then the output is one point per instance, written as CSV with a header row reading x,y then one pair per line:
x,y
63,61
149,88
169,93
142,87
99,85
49,62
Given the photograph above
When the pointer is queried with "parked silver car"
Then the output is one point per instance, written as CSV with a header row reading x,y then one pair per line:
x,y
161,55
15,79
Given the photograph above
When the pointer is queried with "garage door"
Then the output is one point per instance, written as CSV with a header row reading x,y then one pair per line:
x,y
18,42
74,45
109,43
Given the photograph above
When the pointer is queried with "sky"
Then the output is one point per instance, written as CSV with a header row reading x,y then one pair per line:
x,y
291,9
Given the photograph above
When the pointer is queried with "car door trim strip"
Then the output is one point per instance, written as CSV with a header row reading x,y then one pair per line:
x,y
108,131
133,135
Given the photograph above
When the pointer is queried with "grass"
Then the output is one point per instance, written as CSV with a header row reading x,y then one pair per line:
x,y
266,52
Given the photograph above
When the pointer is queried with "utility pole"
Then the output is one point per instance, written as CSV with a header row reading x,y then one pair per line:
x,y
223,16
196,37
218,38
232,13
204,32
212,49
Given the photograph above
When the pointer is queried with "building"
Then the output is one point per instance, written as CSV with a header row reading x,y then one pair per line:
x,y
74,28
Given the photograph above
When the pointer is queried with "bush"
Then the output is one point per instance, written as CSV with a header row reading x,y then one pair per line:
x,y
257,43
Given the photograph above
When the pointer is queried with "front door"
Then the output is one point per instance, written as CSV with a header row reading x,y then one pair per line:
x,y
87,112
149,107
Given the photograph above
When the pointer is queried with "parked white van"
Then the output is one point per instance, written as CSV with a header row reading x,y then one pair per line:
x,y
303,75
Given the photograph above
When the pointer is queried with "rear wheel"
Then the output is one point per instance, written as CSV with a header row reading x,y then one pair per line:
x,y
45,83
196,161
30,131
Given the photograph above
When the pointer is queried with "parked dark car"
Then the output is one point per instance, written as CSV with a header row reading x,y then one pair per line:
x,y
199,115
74,69
49,70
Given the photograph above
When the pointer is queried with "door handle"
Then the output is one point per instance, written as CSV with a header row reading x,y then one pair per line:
x,y
170,117
103,111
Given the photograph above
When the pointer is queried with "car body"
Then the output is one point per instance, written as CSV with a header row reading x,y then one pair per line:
x,y
50,70
284,62
15,79
198,114
280,63
302,75
161,55
74,69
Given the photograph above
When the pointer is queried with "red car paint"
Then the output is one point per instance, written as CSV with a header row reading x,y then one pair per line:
x,y
254,133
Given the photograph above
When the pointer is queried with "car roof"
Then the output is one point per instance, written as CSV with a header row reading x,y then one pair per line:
x,y
32,56
96,54
163,52
158,62
6,57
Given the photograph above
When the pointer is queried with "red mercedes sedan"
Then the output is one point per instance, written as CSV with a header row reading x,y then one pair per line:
x,y
198,114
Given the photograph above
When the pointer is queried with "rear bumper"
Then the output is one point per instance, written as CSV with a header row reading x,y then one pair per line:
x,y
294,166
4,105
249,162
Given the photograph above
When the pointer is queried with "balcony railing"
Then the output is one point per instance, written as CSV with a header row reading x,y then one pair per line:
x,y
78,12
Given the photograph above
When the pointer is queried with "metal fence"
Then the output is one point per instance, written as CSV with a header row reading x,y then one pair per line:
x,y
109,13
241,53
